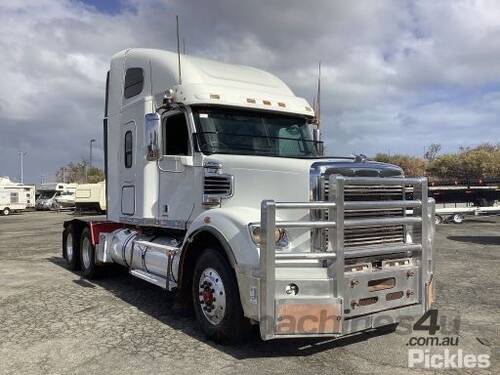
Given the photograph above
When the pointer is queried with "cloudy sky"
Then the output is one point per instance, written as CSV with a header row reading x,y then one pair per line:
x,y
397,75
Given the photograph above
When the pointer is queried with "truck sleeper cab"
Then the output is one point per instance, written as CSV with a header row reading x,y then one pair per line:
x,y
217,187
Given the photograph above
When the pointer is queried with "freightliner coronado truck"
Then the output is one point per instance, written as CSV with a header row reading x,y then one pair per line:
x,y
217,188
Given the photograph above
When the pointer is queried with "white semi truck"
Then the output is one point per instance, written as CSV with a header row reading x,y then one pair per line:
x,y
217,188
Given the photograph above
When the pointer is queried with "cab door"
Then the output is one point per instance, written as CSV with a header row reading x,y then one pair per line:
x,y
177,190
128,164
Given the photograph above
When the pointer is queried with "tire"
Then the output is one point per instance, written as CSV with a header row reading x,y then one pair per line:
x,y
216,299
70,250
458,218
438,219
6,211
87,256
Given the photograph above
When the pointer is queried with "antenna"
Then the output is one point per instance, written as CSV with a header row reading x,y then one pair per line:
x,y
318,96
178,50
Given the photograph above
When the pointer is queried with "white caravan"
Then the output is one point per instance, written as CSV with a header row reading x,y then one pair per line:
x,y
217,188
50,191
91,197
20,193
9,202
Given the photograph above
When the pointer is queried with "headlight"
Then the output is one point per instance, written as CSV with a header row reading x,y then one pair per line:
x,y
280,235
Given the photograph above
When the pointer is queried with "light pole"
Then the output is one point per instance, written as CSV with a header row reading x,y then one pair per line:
x,y
90,159
91,142
21,159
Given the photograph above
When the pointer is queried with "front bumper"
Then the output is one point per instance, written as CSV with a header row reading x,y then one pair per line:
x,y
343,293
315,311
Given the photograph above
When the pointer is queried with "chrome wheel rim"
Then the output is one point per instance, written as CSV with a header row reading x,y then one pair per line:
x,y
69,247
86,252
212,296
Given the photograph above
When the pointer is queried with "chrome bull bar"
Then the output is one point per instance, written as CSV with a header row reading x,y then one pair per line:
x,y
422,220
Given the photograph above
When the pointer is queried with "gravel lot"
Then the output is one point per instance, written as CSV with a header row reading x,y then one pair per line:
x,y
53,322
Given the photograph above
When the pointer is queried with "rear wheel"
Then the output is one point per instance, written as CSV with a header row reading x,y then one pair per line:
x,y
438,219
6,211
87,255
458,218
70,251
216,299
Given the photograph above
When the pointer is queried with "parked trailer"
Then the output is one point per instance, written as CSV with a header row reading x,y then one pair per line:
x,y
455,201
9,202
217,188
477,195
91,197
456,212
20,193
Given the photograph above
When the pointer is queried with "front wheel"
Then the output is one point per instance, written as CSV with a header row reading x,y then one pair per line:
x,y
6,211
216,299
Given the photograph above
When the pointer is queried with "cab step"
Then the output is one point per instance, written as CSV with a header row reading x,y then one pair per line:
x,y
150,278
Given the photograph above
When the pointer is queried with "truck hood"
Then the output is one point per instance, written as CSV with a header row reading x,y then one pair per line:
x,y
286,179
258,178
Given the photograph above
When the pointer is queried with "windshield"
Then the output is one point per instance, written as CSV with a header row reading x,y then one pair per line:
x,y
234,131
47,194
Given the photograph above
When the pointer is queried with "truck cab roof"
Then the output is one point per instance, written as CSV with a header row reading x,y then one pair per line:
x,y
202,81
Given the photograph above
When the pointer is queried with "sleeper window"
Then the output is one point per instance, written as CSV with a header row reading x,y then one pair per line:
x,y
134,82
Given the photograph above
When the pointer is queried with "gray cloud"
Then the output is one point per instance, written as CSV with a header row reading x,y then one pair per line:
x,y
397,75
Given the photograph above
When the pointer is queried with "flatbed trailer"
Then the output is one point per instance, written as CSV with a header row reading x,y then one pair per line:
x,y
458,199
455,212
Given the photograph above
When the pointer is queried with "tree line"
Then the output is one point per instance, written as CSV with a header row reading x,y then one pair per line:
x,y
469,163
79,172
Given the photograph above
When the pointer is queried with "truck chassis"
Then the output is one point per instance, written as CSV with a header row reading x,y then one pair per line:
x,y
331,293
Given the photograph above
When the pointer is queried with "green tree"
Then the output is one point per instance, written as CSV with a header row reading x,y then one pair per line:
x,y
77,172
412,166
432,151
468,163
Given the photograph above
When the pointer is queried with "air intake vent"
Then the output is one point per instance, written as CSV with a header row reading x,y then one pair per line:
x,y
216,185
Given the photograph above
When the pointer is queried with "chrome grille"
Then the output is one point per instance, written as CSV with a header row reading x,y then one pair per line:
x,y
371,235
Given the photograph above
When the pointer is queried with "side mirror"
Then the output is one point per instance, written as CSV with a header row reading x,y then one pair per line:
x,y
152,133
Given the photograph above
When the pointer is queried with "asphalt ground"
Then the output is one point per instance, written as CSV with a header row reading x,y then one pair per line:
x,y
54,322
